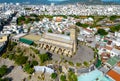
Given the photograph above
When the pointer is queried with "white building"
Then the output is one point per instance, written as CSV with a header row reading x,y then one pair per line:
x,y
43,69
115,52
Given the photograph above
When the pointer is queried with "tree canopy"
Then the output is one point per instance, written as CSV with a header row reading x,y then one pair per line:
x,y
115,28
20,59
82,25
72,76
63,78
34,63
28,68
113,17
102,32
50,31
85,63
5,79
3,70
53,75
44,57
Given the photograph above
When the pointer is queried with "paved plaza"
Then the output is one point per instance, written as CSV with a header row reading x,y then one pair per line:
x,y
84,53
16,73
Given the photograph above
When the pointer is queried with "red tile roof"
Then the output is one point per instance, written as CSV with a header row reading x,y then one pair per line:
x,y
59,19
105,56
88,30
108,47
114,75
118,64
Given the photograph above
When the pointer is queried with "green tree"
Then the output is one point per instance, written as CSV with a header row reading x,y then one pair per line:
x,y
115,28
68,34
63,32
5,79
78,64
72,76
33,15
85,63
71,63
20,19
44,57
28,20
11,56
63,78
112,29
50,31
54,75
28,68
21,60
82,25
37,19
3,70
113,17
14,43
27,8
34,63
11,45
102,32
5,55
78,24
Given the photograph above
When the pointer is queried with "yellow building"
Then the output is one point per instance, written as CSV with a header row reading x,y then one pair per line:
x,y
3,39
60,44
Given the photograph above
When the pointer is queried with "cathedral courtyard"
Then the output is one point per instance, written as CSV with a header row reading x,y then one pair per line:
x,y
84,53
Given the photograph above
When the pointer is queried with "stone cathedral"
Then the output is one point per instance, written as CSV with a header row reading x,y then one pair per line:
x,y
60,44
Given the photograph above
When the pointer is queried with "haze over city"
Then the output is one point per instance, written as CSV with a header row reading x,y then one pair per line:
x,y
61,1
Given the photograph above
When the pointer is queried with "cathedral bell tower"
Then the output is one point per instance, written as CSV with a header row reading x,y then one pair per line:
x,y
73,37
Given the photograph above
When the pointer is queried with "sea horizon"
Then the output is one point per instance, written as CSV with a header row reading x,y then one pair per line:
x,y
48,2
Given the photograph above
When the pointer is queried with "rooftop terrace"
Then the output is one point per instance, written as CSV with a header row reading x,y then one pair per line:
x,y
32,37
112,61
3,39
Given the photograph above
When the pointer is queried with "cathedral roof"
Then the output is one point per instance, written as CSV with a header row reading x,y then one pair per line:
x,y
57,40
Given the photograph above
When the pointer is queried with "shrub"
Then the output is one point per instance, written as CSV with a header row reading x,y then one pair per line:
x,y
53,75
34,63
65,61
62,78
72,76
34,44
82,25
115,28
33,56
86,63
102,32
3,70
78,64
5,56
113,17
21,60
6,79
71,63
44,57
50,31
11,45
11,56
28,68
